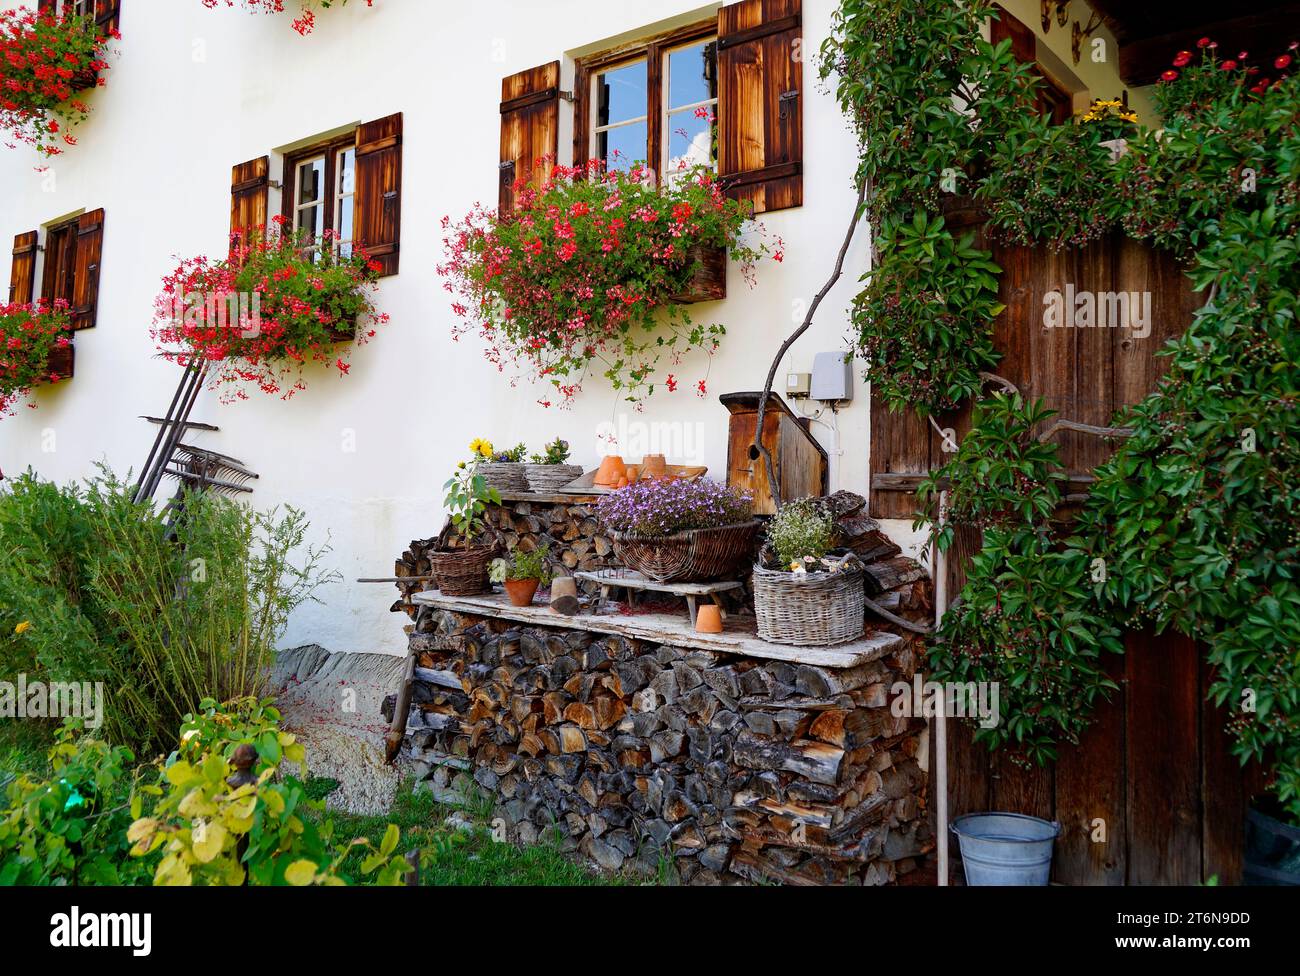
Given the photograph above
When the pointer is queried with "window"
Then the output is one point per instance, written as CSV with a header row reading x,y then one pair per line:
x,y
691,102
320,189
57,273
76,8
654,103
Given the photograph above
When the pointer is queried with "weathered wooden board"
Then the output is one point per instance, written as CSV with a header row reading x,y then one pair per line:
x,y
737,637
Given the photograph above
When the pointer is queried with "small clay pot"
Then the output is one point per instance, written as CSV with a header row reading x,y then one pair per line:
x,y
521,591
633,472
708,619
653,466
611,469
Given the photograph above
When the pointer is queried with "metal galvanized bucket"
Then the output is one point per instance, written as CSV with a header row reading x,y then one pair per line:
x,y
1005,848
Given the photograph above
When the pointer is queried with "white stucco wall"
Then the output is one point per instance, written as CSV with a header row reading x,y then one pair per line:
x,y
195,91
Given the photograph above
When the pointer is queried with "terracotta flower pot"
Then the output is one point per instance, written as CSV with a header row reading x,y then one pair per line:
x,y
521,591
653,466
708,619
611,469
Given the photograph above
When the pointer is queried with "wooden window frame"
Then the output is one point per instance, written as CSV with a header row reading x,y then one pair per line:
x,y
58,269
331,149
654,50
65,8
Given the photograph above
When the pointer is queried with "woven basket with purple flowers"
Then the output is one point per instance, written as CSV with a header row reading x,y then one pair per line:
x,y
675,531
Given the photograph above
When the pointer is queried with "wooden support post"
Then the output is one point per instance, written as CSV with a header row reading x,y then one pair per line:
x,y
397,729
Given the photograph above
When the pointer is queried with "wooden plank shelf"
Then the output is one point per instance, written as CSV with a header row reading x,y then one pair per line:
x,y
738,635
551,498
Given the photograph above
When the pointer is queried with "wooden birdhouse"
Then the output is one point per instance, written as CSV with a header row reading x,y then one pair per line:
x,y
800,463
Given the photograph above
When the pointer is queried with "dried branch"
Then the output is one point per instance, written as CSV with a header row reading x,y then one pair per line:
x,y
768,465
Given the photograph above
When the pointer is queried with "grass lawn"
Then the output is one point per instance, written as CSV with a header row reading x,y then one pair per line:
x,y
458,857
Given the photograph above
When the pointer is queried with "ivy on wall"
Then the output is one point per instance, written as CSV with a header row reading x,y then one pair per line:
x,y
1194,522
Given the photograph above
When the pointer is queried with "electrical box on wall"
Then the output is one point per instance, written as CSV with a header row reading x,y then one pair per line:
x,y
797,384
832,377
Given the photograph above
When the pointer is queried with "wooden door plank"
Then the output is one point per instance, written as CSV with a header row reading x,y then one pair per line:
x,y
1224,789
1090,797
1162,710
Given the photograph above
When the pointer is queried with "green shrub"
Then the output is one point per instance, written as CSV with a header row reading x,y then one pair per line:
x,y
163,622
70,827
210,830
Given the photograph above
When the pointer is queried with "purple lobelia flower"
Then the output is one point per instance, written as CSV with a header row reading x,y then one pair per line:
x,y
663,507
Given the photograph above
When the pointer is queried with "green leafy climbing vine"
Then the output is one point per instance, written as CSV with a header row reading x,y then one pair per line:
x,y
1194,522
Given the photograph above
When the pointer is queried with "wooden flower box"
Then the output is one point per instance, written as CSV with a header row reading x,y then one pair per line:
x,y
85,80
708,282
62,360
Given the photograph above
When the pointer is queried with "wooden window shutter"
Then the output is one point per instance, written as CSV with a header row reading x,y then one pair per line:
x,y
22,273
530,126
760,95
85,269
107,14
248,188
378,195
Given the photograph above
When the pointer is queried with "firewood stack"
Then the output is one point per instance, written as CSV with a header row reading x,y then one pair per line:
x,y
571,533
576,542
743,770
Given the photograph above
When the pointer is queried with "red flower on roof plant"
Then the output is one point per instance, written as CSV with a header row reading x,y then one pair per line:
x,y
44,61
277,302
583,271
304,23
28,334
1198,88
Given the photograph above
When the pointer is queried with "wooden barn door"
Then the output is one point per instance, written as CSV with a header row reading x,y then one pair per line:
x,y
1151,794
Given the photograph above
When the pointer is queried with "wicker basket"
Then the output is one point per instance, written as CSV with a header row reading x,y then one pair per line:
x,y
550,477
461,572
809,609
503,476
695,556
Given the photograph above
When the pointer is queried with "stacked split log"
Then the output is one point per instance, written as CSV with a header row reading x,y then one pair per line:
x,y
733,769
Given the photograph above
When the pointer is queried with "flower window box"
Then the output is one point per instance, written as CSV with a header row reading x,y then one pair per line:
x,y
62,362
708,280
589,270
277,302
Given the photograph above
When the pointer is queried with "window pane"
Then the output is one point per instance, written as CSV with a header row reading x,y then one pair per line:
x,y
692,74
691,139
621,94
622,147
310,176
310,219
345,225
347,170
